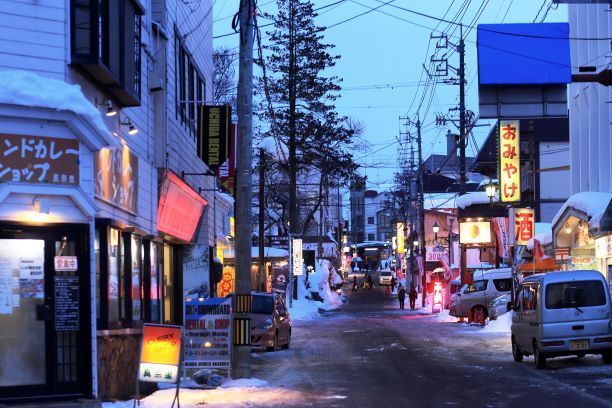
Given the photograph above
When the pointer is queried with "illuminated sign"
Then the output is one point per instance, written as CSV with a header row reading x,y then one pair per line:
x,y
232,221
180,208
160,353
116,177
438,298
475,232
509,161
399,239
433,254
226,286
65,263
523,221
297,260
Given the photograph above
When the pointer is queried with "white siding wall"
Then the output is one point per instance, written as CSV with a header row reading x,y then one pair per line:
x,y
553,184
589,103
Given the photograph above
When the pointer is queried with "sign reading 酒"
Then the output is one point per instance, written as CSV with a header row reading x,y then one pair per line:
x,y
523,221
116,177
509,161
35,159
214,143
160,353
208,337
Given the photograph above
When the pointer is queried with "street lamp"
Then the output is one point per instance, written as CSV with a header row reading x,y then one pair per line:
x,y
491,189
436,229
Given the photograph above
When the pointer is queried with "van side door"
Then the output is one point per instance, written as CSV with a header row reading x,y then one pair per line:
x,y
528,326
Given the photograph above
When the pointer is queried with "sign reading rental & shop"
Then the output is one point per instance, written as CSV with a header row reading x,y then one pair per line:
x,y
35,159
509,161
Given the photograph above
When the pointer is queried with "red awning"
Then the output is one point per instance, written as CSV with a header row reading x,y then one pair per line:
x,y
180,208
540,265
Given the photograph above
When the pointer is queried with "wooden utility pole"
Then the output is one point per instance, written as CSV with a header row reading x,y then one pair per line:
x,y
421,224
262,173
241,354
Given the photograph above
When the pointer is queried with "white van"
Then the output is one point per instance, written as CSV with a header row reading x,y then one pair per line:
x,y
562,313
477,298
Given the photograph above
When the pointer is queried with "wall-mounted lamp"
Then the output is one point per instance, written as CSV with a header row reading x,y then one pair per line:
x,y
110,111
491,189
131,128
41,205
568,229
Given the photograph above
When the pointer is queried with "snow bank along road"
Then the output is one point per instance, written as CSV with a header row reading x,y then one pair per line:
x,y
372,355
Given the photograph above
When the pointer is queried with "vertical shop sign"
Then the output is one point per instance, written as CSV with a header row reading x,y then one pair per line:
x,y
523,225
280,277
215,135
116,177
226,286
297,260
509,161
208,336
399,237
226,172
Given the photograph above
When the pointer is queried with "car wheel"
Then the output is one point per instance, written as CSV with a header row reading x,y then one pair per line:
x,y
274,343
607,357
288,343
516,353
538,357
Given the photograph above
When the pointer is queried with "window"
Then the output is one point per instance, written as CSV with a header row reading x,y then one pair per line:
x,y
105,42
371,237
477,286
503,285
575,294
370,220
263,304
529,298
190,88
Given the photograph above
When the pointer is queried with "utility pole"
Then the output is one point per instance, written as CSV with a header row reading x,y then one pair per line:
x,y
462,135
421,210
293,208
241,354
261,241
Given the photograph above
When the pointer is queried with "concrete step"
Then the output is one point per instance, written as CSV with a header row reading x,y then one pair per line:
x,y
55,404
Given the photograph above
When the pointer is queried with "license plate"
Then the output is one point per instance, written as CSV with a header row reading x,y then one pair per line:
x,y
578,344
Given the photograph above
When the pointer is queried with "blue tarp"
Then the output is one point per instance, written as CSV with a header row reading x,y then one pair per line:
x,y
524,54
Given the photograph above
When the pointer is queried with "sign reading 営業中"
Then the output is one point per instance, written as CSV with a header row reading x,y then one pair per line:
x,y
160,353
523,225
208,337
35,159
65,263
509,161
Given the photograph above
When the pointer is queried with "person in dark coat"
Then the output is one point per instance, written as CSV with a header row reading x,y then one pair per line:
x,y
401,295
412,295
370,283
392,283
354,283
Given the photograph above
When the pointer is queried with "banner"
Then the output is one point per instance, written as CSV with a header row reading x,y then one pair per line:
x,y
509,161
448,273
280,277
214,138
226,172
538,253
226,286
500,224
421,265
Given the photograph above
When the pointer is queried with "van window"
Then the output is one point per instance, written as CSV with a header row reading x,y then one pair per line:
x,y
477,286
575,294
263,304
503,285
529,298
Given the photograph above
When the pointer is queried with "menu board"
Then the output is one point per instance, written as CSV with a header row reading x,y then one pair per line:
x,y
66,303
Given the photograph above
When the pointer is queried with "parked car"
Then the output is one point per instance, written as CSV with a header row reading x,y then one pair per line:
x,y
499,306
270,322
562,313
477,298
385,277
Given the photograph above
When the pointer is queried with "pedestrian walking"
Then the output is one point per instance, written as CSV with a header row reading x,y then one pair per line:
x,y
370,283
412,295
354,283
392,283
387,290
401,296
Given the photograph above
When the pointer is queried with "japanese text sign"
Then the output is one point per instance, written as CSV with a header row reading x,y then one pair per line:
x,y
475,232
160,353
399,237
298,261
208,338
523,224
116,179
509,161
34,159
65,263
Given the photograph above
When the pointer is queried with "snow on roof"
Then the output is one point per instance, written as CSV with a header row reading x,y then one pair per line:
x,y
28,89
477,197
486,181
439,200
275,148
268,253
545,238
592,203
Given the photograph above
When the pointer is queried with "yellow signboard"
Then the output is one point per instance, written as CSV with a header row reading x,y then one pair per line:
x,y
477,232
160,353
509,161
523,220
399,239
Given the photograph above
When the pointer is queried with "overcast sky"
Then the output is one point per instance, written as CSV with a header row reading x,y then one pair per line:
x,y
383,52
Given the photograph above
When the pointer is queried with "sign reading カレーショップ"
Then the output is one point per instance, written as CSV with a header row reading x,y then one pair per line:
x,y
160,353
35,159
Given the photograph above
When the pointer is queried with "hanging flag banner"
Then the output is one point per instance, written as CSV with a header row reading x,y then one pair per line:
x,y
523,224
399,238
421,265
226,172
214,138
538,253
500,224
448,273
509,161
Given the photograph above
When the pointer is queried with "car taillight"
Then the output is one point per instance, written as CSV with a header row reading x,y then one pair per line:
x,y
552,343
603,340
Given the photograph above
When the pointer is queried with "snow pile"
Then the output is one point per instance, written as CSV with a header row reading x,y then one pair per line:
x,y
319,282
500,325
275,148
589,202
29,89
238,393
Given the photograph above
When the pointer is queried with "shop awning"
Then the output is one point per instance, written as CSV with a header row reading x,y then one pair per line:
x,y
540,265
180,208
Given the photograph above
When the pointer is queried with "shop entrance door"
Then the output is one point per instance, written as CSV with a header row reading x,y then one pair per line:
x,y
43,279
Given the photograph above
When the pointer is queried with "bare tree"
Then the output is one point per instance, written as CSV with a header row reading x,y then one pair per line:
x,y
224,76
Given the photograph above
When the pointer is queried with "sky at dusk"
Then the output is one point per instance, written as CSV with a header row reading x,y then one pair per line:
x,y
382,56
